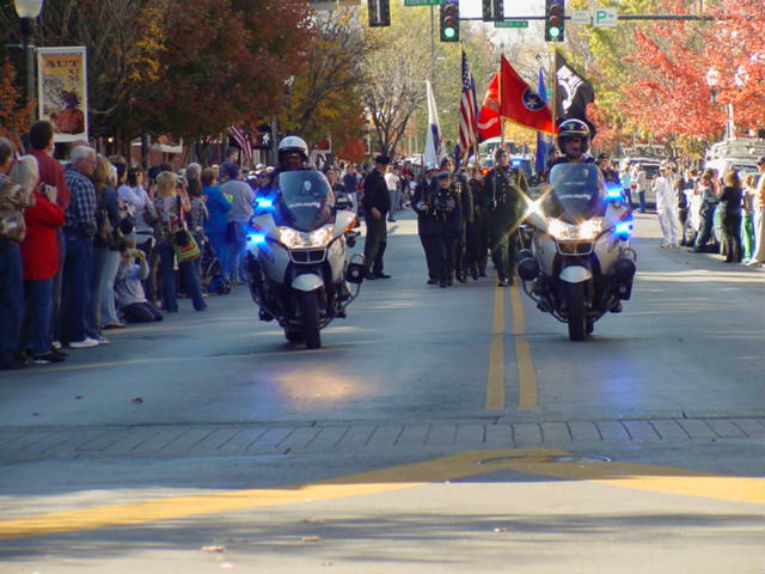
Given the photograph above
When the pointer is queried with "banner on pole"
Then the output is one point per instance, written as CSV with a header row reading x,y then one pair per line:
x,y
62,85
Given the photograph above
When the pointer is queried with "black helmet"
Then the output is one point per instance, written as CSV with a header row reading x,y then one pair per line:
x,y
573,129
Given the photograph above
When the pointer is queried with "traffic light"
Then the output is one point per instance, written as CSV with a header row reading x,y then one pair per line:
x,y
493,10
379,12
450,21
554,19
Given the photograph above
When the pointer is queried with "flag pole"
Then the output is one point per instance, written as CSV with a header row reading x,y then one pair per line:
x,y
554,74
501,117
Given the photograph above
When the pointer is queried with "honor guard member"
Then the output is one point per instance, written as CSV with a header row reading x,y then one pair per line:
x,y
425,220
444,203
376,205
477,253
506,186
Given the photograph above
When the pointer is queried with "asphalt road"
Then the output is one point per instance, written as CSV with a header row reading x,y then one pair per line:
x,y
436,430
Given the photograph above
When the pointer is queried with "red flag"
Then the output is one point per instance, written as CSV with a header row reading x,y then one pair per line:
x,y
519,103
489,124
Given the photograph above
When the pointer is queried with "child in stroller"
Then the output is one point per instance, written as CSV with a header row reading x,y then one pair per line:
x,y
213,280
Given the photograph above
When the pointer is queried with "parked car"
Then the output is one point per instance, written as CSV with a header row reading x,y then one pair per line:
x,y
651,167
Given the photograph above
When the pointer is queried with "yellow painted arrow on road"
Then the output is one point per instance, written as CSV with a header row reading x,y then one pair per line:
x,y
547,462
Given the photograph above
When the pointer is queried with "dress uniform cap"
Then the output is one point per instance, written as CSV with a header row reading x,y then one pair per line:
x,y
431,166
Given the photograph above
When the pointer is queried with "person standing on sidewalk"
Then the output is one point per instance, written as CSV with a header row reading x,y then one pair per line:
x,y
79,230
376,203
393,181
666,207
52,174
758,257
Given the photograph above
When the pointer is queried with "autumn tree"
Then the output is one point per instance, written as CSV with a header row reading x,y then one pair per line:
x,y
14,114
326,100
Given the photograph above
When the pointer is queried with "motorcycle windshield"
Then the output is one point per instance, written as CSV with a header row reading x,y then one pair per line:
x,y
578,192
305,199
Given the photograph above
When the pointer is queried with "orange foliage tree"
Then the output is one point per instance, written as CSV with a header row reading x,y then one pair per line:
x,y
14,115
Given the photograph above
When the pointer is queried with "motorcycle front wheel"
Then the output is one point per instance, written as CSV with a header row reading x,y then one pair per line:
x,y
309,311
577,327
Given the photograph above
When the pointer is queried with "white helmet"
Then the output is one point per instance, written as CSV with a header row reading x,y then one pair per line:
x,y
293,144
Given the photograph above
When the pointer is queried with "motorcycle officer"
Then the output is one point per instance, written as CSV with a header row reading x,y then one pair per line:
x,y
573,142
505,187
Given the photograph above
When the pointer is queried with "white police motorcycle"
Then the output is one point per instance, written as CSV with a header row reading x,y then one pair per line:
x,y
300,271
578,264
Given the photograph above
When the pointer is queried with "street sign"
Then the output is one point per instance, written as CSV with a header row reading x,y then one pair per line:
x,y
422,2
605,18
581,17
511,24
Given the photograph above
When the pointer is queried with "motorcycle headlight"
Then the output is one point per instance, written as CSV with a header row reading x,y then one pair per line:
x,y
297,240
321,237
585,231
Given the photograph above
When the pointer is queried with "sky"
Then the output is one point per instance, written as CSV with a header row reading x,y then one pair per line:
x,y
472,8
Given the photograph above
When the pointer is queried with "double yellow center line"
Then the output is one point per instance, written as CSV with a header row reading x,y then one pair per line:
x,y
496,396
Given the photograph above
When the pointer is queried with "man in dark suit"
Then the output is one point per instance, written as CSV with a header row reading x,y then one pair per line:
x,y
376,205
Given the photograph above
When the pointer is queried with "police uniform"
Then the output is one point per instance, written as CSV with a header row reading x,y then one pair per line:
x,y
477,252
505,186
425,227
462,188
444,206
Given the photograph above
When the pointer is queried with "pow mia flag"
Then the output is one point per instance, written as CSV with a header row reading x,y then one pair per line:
x,y
573,94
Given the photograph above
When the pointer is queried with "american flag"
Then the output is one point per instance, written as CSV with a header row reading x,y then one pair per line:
x,y
468,110
242,139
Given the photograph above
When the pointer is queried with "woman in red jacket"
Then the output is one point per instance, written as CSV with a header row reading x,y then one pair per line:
x,y
39,256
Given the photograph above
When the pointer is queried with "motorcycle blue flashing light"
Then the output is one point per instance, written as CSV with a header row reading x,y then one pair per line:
x,y
517,163
614,192
257,238
623,229
264,203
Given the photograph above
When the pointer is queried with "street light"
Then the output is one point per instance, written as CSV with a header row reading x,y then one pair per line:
x,y
28,11
713,78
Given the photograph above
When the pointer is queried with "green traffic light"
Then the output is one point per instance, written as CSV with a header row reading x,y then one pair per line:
x,y
450,32
554,32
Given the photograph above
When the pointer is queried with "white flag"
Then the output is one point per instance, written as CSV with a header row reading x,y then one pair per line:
x,y
433,137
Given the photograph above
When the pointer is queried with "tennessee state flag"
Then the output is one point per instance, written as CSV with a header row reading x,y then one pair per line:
x,y
519,103
488,121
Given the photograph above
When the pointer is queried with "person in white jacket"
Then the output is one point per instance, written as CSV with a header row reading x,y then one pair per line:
x,y
666,207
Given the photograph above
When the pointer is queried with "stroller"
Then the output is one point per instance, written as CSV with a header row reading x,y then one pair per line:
x,y
213,280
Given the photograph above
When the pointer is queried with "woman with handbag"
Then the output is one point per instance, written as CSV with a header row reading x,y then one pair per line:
x,y
106,251
176,241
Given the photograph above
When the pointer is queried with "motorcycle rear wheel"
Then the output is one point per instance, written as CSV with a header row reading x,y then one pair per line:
x,y
309,311
577,328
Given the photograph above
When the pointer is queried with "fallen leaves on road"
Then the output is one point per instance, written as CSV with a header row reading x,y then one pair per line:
x,y
78,398
138,400
311,539
215,548
500,529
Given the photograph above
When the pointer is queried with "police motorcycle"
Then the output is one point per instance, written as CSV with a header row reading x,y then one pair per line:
x,y
298,262
578,264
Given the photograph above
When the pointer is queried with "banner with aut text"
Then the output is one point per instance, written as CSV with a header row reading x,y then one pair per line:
x,y
62,85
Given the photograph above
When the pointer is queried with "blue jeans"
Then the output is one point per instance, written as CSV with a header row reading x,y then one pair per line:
x,y
222,251
11,298
78,269
236,250
106,287
38,310
58,282
190,280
